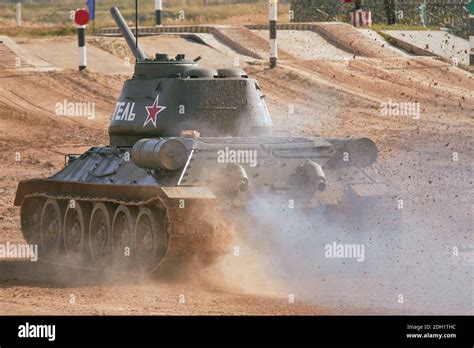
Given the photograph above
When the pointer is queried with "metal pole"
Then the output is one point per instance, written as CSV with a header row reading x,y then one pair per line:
x,y
136,29
471,32
471,39
159,12
390,11
272,14
18,14
423,13
357,16
81,34
358,5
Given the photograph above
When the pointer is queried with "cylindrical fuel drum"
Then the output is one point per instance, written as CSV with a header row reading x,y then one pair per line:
x,y
167,154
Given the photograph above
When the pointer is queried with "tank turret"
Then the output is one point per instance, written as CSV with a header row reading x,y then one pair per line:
x,y
167,96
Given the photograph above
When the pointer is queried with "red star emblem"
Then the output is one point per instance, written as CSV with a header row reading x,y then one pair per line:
x,y
153,111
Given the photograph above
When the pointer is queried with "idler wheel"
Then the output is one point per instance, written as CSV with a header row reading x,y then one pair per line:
x,y
100,233
150,239
51,228
75,229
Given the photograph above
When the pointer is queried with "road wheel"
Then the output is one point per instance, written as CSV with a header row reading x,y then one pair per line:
x,y
51,228
100,233
123,225
150,239
75,228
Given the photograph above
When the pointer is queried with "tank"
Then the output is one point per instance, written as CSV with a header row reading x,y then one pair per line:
x,y
187,144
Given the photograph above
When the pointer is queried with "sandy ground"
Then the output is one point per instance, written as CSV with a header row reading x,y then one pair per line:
x,y
306,97
48,289
63,52
379,41
360,42
437,42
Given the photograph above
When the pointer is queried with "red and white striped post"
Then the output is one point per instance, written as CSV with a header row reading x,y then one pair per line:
x,y
81,17
361,18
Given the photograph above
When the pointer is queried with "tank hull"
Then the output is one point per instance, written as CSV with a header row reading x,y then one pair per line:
x,y
106,209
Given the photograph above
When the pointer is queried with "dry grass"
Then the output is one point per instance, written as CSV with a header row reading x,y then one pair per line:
x,y
53,18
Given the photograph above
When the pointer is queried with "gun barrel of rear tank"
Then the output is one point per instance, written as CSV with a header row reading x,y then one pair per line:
x,y
127,34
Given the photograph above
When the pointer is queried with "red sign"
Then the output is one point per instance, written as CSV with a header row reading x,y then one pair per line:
x,y
346,1
81,17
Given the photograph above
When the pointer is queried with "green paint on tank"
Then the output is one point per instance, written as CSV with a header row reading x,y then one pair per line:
x,y
167,96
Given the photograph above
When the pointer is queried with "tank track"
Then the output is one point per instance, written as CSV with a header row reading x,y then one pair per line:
x,y
138,237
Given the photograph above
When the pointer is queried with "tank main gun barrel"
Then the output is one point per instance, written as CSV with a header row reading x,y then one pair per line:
x,y
127,34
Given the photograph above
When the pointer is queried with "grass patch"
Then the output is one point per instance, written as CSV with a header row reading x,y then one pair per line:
x,y
380,26
39,32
